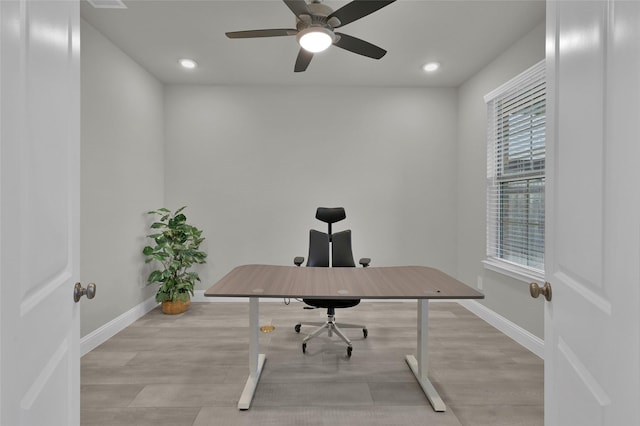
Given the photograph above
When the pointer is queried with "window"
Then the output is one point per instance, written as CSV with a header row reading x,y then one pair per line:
x,y
516,172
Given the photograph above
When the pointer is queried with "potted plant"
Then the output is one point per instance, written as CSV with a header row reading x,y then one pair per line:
x,y
176,248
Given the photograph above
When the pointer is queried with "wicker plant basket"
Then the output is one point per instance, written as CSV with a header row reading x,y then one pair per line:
x,y
177,307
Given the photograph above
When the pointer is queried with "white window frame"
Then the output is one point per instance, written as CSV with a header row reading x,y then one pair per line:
x,y
532,78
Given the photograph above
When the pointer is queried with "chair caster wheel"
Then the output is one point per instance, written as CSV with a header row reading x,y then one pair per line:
x,y
365,332
349,349
304,348
297,328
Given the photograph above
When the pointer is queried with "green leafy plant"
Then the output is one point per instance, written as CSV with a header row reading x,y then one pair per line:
x,y
177,248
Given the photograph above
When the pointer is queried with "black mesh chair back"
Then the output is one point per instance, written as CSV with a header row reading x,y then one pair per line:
x,y
318,249
341,256
341,252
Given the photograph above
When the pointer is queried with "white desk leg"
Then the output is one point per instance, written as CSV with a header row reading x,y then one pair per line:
x,y
256,359
419,366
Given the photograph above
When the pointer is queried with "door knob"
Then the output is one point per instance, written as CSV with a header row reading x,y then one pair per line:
x,y
536,290
79,291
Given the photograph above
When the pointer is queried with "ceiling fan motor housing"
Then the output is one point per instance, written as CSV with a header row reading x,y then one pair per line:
x,y
318,17
318,8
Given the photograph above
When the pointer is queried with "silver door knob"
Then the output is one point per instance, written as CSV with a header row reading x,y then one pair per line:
x,y
536,290
79,291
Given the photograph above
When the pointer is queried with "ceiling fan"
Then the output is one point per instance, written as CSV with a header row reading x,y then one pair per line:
x,y
315,25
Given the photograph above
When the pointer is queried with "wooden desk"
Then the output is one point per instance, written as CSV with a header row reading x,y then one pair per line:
x,y
395,282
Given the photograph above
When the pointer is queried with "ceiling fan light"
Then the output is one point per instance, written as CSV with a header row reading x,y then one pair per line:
x,y
315,39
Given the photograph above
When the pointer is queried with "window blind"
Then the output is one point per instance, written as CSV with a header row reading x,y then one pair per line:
x,y
516,169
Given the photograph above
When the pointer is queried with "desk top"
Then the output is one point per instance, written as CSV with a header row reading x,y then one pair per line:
x,y
393,282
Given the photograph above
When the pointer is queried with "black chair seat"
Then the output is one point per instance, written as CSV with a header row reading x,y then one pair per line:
x,y
332,303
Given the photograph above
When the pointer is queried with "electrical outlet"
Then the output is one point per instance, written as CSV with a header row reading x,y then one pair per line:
x,y
479,282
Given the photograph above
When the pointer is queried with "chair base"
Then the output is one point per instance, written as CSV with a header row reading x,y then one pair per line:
x,y
332,327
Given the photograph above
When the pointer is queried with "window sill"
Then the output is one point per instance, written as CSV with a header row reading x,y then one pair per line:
x,y
513,270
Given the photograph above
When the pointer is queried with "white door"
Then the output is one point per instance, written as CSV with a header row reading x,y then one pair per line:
x,y
592,324
39,212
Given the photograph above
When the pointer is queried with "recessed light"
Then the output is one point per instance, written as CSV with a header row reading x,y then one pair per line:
x,y
188,63
431,66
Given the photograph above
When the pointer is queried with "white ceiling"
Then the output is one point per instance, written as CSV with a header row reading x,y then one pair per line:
x,y
463,35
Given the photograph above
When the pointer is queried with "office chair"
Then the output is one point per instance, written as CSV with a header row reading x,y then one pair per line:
x,y
341,257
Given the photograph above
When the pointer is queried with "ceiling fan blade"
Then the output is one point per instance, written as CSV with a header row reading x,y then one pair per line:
x,y
358,9
302,61
298,7
276,32
361,47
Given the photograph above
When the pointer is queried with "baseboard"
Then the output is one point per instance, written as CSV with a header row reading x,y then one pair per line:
x,y
517,333
113,327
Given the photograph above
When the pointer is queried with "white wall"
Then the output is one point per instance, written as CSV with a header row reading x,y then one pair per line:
x,y
122,174
253,163
508,297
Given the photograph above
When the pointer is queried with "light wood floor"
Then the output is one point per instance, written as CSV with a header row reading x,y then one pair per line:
x,y
190,369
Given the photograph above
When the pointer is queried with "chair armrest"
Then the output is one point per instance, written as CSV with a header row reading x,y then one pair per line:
x,y
298,260
365,261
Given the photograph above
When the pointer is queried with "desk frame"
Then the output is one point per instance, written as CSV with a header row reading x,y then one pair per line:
x,y
418,364
256,359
